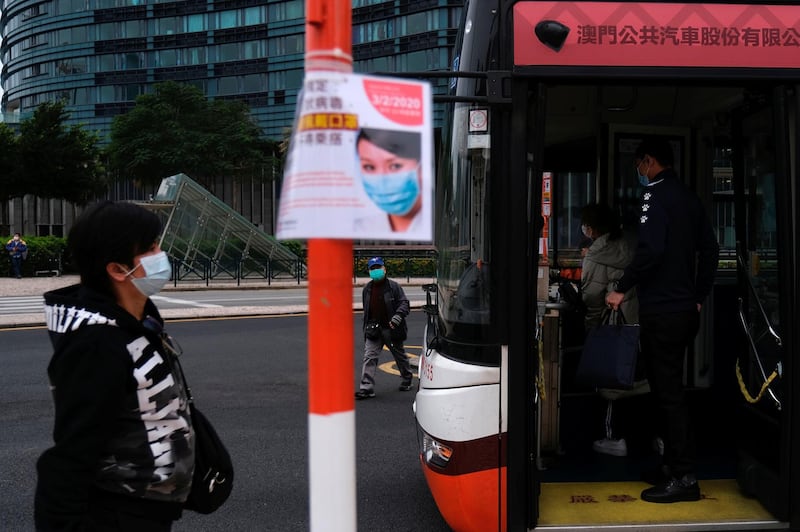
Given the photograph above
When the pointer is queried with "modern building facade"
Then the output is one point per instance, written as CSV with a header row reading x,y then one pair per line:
x,y
99,55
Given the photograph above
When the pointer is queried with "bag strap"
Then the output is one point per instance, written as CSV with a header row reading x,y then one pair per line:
x,y
612,317
169,344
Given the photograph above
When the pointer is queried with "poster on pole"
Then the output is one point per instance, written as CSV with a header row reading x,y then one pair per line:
x,y
360,161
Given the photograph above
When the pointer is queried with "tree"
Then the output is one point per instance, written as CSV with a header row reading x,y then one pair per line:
x,y
177,130
57,161
9,180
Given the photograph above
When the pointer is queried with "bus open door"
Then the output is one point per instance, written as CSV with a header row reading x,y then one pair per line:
x,y
567,90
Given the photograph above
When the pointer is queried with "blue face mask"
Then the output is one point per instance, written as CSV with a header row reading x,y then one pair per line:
x,y
642,178
377,274
393,193
157,271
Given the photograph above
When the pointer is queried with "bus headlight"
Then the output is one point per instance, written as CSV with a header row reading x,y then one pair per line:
x,y
435,453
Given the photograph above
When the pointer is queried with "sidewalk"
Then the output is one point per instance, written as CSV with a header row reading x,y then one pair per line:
x,y
34,286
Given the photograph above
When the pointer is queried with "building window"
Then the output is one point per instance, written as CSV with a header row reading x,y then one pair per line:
x,y
133,61
106,63
166,58
254,15
253,83
134,28
194,56
228,52
286,10
254,49
108,31
227,19
227,85
195,23
167,26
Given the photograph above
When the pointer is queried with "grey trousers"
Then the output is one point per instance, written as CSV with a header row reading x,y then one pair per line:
x,y
372,352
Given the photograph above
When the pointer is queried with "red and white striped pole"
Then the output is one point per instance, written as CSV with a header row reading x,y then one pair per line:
x,y
331,404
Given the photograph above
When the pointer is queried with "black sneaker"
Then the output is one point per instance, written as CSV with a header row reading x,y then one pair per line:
x,y
365,394
673,490
405,386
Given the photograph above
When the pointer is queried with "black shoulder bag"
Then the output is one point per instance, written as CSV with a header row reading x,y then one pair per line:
x,y
212,480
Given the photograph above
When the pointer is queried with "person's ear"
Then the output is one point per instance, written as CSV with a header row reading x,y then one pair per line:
x,y
117,271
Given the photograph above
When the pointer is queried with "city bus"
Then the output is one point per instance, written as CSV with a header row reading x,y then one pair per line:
x,y
548,102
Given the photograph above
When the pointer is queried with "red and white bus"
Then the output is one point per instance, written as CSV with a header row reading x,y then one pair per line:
x,y
560,93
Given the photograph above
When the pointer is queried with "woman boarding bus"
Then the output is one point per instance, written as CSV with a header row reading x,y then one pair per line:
x,y
551,100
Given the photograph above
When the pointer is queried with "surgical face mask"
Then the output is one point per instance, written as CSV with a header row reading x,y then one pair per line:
x,y
393,193
157,271
642,177
377,274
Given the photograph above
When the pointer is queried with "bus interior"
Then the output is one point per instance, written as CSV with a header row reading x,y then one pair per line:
x,y
724,140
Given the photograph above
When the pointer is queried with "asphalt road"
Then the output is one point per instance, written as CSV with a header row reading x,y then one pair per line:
x,y
250,377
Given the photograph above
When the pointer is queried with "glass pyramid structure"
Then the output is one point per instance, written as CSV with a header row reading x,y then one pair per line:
x,y
207,239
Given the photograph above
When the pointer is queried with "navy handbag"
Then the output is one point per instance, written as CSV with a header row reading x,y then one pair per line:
x,y
609,354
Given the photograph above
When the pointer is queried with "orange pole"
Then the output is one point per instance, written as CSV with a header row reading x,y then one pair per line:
x,y
332,485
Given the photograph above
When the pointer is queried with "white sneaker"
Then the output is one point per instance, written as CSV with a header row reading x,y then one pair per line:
x,y
611,446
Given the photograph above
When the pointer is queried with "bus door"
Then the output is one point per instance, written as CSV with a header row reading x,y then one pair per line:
x,y
764,157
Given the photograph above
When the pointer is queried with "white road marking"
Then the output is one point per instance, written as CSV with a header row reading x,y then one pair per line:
x,y
184,302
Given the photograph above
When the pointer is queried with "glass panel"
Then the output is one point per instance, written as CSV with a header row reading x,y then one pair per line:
x,y
227,85
134,28
573,190
463,209
294,9
195,23
167,58
132,61
227,19
758,172
416,23
253,15
228,52
167,25
194,56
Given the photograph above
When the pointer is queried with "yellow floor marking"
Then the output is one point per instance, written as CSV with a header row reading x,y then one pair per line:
x,y
612,503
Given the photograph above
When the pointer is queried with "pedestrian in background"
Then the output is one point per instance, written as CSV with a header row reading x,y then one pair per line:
x,y
385,309
123,453
17,251
673,270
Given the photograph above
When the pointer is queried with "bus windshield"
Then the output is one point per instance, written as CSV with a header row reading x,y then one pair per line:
x,y
463,209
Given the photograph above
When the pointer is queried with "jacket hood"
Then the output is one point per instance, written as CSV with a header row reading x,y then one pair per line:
x,y
614,253
74,307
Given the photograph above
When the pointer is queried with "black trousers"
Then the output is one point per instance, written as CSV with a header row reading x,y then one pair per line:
x,y
664,339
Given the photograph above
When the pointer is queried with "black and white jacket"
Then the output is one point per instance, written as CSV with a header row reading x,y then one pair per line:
x,y
122,425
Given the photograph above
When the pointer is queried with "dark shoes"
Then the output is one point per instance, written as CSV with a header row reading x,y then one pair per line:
x,y
365,394
405,386
673,490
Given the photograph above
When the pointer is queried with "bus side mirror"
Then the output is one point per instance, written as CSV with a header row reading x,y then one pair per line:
x,y
552,34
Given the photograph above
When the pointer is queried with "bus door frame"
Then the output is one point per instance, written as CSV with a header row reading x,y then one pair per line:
x,y
514,176
785,103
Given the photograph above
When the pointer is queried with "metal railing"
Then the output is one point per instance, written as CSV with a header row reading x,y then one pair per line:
x,y
208,271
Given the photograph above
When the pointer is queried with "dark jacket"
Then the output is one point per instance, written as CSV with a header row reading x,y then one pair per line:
x,y
677,252
395,301
16,249
122,429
